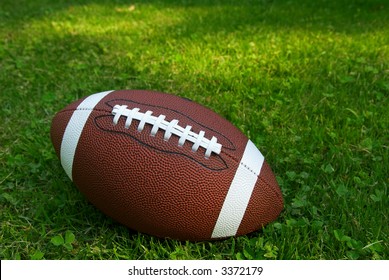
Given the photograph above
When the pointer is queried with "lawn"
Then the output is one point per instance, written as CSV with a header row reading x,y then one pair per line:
x,y
307,81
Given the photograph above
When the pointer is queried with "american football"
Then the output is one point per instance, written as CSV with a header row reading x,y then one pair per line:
x,y
165,166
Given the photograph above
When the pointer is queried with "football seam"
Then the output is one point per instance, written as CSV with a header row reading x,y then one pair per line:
x,y
277,194
224,152
242,163
169,152
84,109
109,112
232,147
159,123
249,169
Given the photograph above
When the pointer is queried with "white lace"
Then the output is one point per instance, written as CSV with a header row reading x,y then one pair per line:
x,y
170,127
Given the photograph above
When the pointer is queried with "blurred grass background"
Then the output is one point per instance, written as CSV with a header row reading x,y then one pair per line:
x,y
307,81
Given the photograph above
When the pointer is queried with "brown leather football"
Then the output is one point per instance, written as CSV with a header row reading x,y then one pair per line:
x,y
165,165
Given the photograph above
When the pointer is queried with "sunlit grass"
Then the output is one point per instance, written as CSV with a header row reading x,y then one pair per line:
x,y
307,81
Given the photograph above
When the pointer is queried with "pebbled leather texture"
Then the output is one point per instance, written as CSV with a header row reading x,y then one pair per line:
x,y
156,186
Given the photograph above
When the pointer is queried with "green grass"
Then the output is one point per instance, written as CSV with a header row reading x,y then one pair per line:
x,y
307,81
